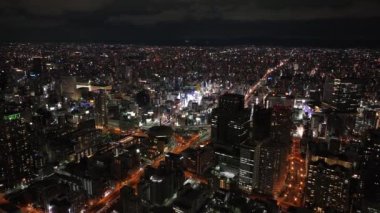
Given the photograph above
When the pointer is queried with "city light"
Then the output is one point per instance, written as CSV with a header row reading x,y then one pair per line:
x,y
114,127
300,131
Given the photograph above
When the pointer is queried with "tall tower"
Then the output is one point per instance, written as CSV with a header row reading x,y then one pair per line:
x,y
269,157
371,170
101,110
230,126
16,158
247,177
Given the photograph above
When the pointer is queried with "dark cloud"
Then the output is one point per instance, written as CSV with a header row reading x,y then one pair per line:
x,y
304,4
55,7
110,19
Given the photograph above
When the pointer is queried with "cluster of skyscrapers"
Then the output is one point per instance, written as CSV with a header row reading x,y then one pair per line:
x,y
153,132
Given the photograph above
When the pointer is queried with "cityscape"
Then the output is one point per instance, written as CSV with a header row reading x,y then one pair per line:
x,y
130,128
189,106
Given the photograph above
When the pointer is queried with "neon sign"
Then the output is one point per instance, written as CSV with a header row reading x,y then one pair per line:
x,y
12,117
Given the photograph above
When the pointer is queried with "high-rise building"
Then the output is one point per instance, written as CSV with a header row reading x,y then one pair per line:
x,y
35,73
328,184
198,160
262,123
37,67
122,164
173,161
318,125
247,177
101,110
270,156
3,80
342,94
371,171
230,126
160,184
129,201
367,118
85,142
231,102
261,164
191,199
67,87
16,158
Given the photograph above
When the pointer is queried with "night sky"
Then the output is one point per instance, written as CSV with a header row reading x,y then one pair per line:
x,y
195,20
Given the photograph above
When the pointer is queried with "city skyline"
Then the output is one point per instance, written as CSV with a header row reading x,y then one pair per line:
x,y
119,128
189,106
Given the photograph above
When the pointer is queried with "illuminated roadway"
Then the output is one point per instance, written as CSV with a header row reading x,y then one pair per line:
x,y
269,71
104,203
27,209
293,188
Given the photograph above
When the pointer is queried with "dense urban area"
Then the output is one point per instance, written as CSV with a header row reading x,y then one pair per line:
x,y
186,129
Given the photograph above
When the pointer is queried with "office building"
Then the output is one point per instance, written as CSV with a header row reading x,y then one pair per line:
x,y
367,118
190,199
328,184
371,170
123,163
342,94
101,109
67,87
247,177
129,201
37,67
261,165
198,160
318,125
16,159
270,158
173,161
161,137
262,123
230,126
159,185
85,141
